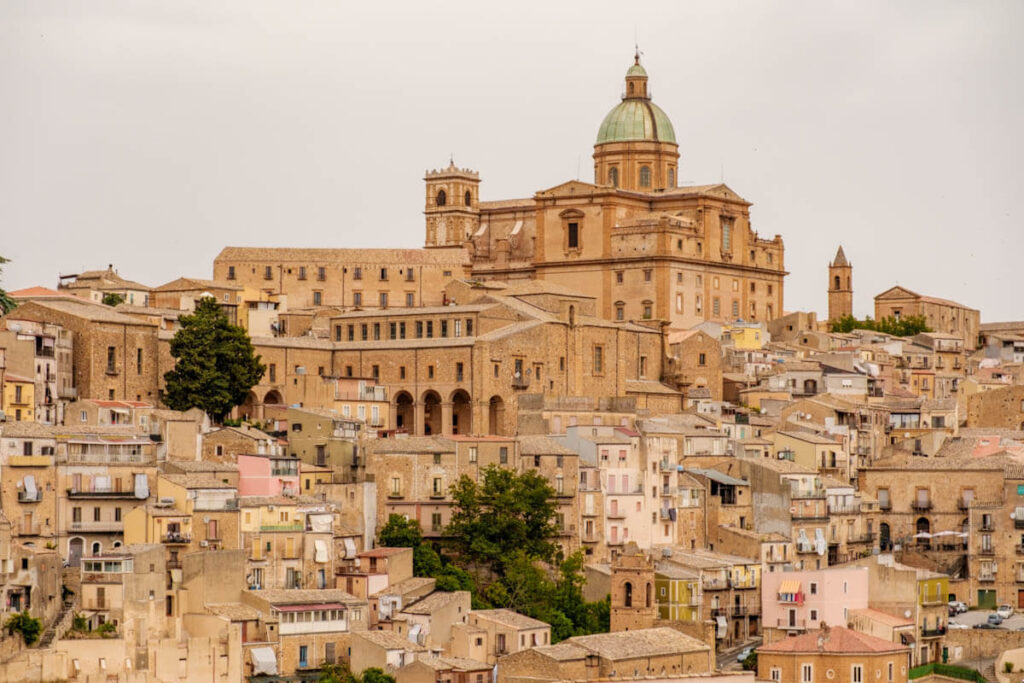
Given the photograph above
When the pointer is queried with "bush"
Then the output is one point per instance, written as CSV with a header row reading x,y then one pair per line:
x,y
107,630
1008,667
29,627
750,663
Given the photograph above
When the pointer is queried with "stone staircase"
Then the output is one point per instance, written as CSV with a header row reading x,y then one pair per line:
x,y
61,625
989,672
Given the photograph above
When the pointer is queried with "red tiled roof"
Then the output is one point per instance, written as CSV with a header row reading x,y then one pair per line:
x,y
33,291
17,378
838,640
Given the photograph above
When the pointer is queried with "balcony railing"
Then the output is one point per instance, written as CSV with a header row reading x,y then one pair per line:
x,y
281,527
843,509
100,493
885,505
97,527
786,623
868,537
616,541
933,632
987,578
921,505
30,496
805,549
176,539
988,526
616,514
810,516
32,529
712,584
987,551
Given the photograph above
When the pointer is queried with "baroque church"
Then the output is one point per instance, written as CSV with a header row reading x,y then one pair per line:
x,y
645,247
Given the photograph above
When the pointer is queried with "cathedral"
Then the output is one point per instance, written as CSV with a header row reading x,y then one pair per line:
x,y
643,246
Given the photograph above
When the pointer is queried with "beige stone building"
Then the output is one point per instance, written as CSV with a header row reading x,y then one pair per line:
x,y
942,315
833,653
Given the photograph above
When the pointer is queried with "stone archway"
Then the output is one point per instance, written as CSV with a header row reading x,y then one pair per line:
x,y
462,412
923,526
432,423
405,412
247,411
76,547
496,416
273,397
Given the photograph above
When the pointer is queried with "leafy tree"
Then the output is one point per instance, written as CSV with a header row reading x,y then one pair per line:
x,y
113,299
750,662
340,673
504,512
906,326
29,627
7,304
400,532
216,365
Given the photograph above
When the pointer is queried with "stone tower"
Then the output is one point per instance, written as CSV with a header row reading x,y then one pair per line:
x,y
636,145
452,206
632,591
840,287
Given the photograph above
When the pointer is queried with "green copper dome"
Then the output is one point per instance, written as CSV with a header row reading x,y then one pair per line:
x,y
636,119
636,70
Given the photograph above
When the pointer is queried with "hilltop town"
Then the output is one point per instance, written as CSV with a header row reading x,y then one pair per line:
x,y
575,436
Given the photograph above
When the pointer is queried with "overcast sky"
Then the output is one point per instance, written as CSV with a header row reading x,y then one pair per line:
x,y
150,135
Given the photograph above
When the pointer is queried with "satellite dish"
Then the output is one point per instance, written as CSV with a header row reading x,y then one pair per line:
x,y
906,613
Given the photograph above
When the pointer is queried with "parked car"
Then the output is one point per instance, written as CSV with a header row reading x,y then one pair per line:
x,y
985,625
957,605
744,653
957,625
995,619
1005,611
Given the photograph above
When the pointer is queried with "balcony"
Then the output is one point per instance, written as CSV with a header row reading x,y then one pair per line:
x,y
843,509
791,624
617,514
590,513
933,632
30,496
986,551
176,538
986,578
868,537
107,493
711,584
921,505
805,549
281,527
989,526
667,490
30,529
616,541
809,516
963,505
885,505
666,466
97,527
590,538
520,383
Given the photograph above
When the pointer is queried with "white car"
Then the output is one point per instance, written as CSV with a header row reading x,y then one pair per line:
x,y
1005,611
957,625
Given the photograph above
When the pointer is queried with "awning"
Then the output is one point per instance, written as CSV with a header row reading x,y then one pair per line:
x,y
414,633
141,486
922,534
723,627
119,411
264,661
309,607
907,638
350,548
321,551
789,587
319,523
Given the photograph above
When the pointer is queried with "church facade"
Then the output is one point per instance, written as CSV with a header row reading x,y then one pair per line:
x,y
646,248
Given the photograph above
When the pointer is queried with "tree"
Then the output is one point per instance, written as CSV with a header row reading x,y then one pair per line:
x,y
28,626
400,532
340,673
906,326
7,304
113,299
504,512
216,365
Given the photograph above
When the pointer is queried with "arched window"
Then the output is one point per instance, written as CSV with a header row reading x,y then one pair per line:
x,y
645,176
671,177
649,591
469,197
837,282
628,602
442,198
630,88
613,176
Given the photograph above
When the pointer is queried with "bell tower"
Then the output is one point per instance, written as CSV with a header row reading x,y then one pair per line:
x,y
452,206
840,287
632,590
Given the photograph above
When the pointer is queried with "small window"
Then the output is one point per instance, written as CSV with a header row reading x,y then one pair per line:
x,y
410,299
321,273
231,272
613,176
647,275
468,198
302,272
268,273
383,273
503,455
671,177
357,273
574,235
645,176
318,298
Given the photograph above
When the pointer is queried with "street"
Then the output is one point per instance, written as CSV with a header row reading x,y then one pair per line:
x,y
980,616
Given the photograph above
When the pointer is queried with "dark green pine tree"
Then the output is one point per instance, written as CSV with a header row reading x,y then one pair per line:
x,y
7,304
216,365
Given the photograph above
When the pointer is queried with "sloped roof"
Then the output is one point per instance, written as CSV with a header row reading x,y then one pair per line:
x,y
837,640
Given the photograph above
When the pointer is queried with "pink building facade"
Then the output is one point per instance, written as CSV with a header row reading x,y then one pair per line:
x,y
796,602
268,475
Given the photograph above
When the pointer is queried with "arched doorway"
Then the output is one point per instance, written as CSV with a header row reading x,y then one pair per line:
x,y
431,413
628,597
405,412
273,397
496,416
883,537
75,548
923,532
462,413
247,410
810,386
